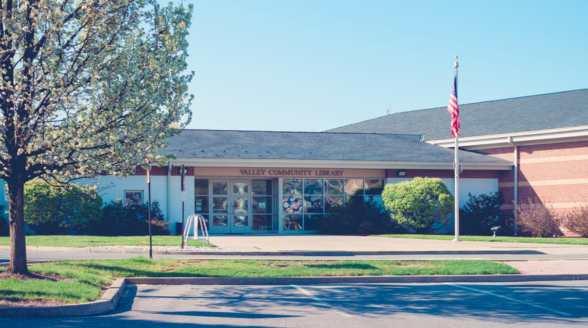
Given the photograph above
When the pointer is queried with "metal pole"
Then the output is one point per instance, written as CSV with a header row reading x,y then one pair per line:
x,y
456,193
516,196
149,216
183,199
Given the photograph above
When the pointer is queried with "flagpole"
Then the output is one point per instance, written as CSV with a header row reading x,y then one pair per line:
x,y
456,194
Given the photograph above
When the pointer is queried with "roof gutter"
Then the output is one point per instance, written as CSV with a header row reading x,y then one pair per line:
x,y
278,163
516,170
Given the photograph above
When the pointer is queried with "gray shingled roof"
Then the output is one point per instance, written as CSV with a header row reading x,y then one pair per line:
x,y
226,144
548,111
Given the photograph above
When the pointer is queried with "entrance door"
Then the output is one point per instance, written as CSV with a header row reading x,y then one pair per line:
x,y
240,218
231,206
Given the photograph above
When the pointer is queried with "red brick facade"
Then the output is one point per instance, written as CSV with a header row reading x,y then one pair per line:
x,y
163,171
554,173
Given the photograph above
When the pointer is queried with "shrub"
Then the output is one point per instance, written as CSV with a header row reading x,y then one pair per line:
x,y
52,210
576,220
537,219
4,229
481,213
356,216
419,204
120,220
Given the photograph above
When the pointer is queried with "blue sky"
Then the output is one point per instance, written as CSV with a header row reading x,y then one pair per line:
x,y
295,65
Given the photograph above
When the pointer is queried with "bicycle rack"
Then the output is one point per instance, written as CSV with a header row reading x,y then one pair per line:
x,y
196,220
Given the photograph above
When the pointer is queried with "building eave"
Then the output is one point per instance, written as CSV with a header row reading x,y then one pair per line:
x,y
577,133
283,163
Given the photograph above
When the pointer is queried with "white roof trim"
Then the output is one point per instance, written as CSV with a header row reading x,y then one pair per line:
x,y
576,133
217,162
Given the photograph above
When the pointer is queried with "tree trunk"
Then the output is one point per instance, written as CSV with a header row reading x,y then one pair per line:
x,y
18,248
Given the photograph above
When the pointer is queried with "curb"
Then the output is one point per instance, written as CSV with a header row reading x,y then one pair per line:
x,y
284,253
106,303
352,280
110,299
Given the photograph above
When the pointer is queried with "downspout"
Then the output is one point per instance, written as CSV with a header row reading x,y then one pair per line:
x,y
516,182
169,170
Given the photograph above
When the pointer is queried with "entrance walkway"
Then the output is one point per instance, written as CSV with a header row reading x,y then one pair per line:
x,y
276,243
550,267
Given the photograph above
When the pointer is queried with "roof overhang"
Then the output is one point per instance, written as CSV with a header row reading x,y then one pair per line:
x,y
283,163
577,133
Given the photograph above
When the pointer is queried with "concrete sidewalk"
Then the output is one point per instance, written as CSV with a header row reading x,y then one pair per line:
x,y
550,267
360,243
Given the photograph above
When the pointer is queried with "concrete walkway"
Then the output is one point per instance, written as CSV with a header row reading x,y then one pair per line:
x,y
359,243
550,267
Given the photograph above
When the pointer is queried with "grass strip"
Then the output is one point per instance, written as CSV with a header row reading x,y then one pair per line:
x,y
499,239
89,241
87,277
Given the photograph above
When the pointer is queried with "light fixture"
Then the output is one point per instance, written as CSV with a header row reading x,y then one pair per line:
x,y
401,173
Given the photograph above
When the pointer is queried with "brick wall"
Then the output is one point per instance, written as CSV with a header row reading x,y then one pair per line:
x,y
554,173
163,171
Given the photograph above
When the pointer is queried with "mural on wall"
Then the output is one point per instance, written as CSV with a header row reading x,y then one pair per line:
x,y
133,197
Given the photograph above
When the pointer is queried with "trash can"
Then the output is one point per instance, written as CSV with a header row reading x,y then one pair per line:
x,y
179,228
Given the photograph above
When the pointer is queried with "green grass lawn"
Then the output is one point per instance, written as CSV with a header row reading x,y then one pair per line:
x,y
570,241
88,241
87,277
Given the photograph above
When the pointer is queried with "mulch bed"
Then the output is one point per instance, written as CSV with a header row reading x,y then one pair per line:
x,y
32,276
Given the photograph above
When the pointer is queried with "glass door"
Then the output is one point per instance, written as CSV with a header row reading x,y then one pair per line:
x,y
240,218
220,206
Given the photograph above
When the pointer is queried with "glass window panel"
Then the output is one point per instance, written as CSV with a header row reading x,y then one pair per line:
x,y
262,187
262,222
309,221
262,204
331,201
220,221
219,188
201,187
201,204
313,204
313,186
354,187
241,220
219,204
241,204
240,188
374,186
292,187
292,222
352,199
334,186
292,204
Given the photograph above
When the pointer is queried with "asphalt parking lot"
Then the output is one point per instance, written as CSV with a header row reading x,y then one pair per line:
x,y
549,304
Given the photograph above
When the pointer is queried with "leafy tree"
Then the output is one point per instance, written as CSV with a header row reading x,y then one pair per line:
x,y
419,204
87,86
481,213
54,210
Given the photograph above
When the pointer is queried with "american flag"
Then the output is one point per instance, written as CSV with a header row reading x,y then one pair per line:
x,y
453,108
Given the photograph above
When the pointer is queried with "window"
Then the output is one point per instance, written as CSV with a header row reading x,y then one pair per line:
x,y
133,197
305,200
262,207
201,199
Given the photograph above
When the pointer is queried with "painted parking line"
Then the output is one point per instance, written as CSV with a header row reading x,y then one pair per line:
x,y
307,293
511,299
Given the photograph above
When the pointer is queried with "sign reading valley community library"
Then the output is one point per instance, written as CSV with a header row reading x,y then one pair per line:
x,y
288,172
334,173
